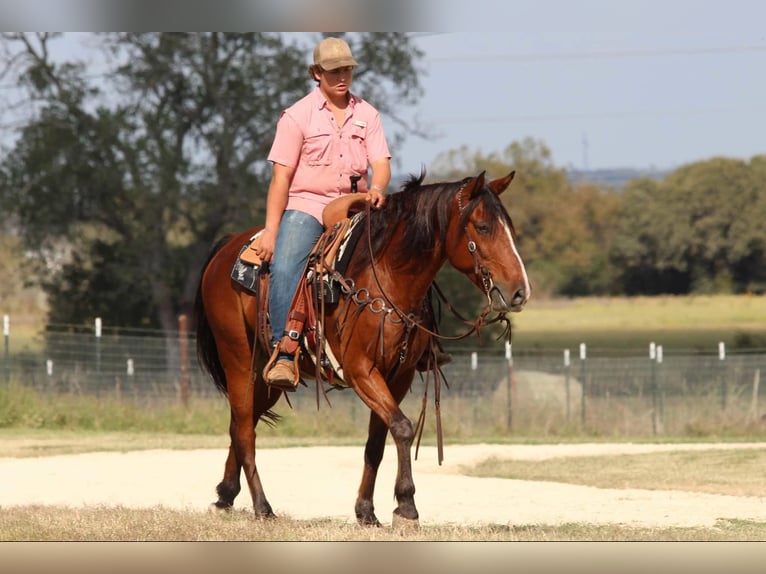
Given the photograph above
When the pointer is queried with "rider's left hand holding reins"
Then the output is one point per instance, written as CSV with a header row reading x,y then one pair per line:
x,y
376,197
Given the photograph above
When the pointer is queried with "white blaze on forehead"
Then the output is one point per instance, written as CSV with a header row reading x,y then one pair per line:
x,y
527,288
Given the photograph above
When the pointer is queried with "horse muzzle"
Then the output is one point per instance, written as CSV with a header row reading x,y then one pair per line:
x,y
502,303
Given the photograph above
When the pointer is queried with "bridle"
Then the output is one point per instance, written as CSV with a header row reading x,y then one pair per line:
x,y
481,271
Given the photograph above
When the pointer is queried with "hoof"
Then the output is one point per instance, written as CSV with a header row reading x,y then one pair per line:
x,y
218,508
403,524
369,522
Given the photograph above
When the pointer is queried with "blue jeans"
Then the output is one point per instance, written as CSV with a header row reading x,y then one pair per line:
x,y
297,235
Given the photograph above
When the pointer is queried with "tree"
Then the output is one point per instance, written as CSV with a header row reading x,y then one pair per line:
x,y
140,170
648,263
701,229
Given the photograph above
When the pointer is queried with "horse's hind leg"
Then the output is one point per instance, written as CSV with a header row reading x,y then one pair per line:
x,y
248,401
229,487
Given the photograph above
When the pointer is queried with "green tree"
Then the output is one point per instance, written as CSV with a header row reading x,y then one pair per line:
x,y
701,230
133,174
642,249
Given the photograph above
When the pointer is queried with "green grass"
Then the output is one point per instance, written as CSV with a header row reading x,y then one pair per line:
x,y
693,322
71,418
724,312
23,407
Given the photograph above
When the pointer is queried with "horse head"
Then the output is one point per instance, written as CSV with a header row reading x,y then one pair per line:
x,y
481,243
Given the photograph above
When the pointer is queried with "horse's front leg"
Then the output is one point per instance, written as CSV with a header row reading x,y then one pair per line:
x,y
405,514
385,406
373,455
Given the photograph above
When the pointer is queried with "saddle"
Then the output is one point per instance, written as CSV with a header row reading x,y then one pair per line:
x,y
316,289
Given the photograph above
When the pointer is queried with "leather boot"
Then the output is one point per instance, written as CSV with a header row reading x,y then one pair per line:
x,y
282,376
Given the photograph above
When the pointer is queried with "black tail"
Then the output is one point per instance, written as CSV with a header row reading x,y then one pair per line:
x,y
207,352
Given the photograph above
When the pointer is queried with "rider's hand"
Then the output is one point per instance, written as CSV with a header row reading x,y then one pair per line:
x,y
266,249
376,198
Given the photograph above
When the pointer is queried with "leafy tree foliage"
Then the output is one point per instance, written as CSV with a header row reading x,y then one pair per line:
x,y
699,230
702,229
133,174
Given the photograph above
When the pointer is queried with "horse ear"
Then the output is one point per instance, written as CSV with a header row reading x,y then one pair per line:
x,y
501,184
477,184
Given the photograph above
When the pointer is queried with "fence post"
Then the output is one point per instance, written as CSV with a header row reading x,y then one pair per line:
x,y
184,352
97,327
7,354
722,371
511,383
583,354
130,371
653,384
754,401
566,383
660,399
98,344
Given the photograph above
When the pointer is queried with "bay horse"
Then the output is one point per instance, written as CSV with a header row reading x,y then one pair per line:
x,y
377,330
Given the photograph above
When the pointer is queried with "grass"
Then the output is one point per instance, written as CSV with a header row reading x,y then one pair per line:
x,y
24,407
69,421
737,472
689,322
47,523
714,312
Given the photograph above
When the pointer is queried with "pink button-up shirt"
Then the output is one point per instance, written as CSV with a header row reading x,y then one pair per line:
x,y
324,154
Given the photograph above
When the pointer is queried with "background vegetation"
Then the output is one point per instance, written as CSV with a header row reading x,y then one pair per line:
x,y
114,186
118,184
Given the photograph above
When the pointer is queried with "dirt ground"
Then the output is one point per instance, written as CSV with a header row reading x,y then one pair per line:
x,y
319,482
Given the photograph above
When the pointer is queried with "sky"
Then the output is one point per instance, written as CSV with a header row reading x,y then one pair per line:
x,y
602,83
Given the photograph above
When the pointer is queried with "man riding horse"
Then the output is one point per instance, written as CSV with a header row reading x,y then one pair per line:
x,y
323,143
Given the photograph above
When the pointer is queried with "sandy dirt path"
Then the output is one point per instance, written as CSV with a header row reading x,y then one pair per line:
x,y
317,482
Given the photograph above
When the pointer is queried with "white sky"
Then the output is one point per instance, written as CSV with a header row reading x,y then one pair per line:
x,y
603,83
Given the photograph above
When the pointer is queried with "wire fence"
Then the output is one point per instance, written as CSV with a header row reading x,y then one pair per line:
x,y
605,392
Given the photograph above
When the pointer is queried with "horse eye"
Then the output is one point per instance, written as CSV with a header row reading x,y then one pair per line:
x,y
481,228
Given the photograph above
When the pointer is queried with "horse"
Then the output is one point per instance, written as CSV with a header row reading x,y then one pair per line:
x,y
377,332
